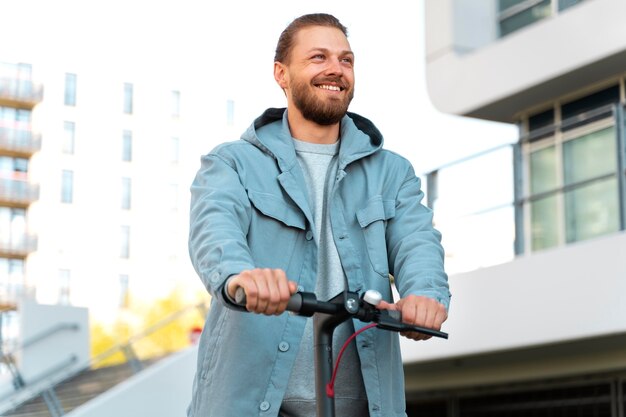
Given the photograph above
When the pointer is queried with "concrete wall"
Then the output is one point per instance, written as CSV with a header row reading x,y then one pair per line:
x,y
485,77
162,390
555,312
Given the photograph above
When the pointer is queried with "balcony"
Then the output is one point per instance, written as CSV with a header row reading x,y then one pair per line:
x,y
18,247
21,143
17,193
21,94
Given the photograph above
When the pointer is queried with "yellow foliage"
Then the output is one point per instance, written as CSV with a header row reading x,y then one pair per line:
x,y
153,330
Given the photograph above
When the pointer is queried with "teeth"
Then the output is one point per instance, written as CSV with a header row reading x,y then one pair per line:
x,y
329,87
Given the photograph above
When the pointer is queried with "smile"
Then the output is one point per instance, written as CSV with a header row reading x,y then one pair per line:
x,y
330,87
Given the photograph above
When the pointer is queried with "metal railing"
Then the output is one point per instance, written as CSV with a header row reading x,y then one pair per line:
x,y
472,199
18,192
45,385
19,141
17,91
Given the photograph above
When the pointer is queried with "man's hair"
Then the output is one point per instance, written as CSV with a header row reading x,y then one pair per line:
x,y
285,41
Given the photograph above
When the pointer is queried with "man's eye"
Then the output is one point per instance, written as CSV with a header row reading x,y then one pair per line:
x,y
318,56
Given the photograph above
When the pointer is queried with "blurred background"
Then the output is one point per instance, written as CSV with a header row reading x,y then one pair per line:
x,y
511,111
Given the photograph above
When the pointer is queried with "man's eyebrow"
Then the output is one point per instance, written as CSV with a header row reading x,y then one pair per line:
x,y
325,50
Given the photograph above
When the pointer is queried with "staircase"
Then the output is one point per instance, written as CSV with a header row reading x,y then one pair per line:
x,y
90,380
77,390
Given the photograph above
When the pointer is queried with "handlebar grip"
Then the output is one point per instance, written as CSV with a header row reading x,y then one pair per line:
x,y
294,304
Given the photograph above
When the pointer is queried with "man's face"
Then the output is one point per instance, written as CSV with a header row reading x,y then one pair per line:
x,y
320,74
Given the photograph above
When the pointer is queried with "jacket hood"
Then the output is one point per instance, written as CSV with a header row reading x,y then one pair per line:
x,y
359,138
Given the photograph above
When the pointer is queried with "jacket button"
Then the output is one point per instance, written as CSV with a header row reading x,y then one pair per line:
x,y
264,406
283,346
309,235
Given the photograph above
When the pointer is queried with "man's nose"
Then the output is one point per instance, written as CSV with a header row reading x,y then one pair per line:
x,y
334,67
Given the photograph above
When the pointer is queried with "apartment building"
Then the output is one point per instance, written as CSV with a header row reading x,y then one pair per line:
x,y
18,142
539,331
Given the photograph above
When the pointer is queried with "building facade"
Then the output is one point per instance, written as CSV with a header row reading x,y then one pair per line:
x,y
18,143
94,179
540,331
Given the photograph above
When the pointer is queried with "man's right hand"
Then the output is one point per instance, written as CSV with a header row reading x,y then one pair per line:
x,y
267,290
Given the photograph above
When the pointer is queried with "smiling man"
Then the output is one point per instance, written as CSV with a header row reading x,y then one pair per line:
x,y
308,200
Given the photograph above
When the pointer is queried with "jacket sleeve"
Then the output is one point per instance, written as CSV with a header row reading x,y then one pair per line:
x,y
416,256
220,215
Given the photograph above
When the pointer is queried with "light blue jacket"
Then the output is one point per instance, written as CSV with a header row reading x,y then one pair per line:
x,y
249,209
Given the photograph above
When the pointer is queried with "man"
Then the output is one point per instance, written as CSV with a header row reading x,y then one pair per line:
x,y
308,200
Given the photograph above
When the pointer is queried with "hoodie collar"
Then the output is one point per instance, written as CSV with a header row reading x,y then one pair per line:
x,y
270,133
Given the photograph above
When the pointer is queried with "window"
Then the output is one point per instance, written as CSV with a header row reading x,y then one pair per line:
x,y
516,14
175,103
124,300
12,227
592,198
12,276
126,193
68,137
70,89
564,4
124,242
128,98
64,287
67,186
174,150
127,146
572,174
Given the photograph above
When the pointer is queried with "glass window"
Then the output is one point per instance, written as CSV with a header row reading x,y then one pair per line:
x,y
70,89
543,170
544,223
515,15
590,156
592,210
175,103
124,242
68,137
127,145
64,287
67,186
564,4
128,98
12,276
574,190
126,193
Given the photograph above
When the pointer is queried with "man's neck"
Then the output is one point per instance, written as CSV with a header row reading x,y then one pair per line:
x,y
308,131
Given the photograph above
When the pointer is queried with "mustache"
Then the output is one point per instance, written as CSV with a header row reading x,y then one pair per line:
x,y
334,80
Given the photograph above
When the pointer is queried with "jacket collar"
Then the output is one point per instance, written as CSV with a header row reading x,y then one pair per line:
x,y
270,133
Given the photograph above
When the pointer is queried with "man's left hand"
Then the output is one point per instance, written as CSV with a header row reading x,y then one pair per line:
x,y
418,311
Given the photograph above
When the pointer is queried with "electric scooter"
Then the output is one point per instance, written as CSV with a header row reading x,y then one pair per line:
x,y
327,315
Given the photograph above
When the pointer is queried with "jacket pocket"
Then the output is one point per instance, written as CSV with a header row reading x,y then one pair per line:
x,y
373,221
276,208
274,228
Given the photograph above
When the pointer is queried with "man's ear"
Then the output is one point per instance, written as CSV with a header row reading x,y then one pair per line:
x,y
280,74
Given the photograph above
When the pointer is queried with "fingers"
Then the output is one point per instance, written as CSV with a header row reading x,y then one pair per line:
x,y
423,312
267,290
384,305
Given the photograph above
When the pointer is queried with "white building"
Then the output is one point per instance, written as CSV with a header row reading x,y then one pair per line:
x,y
538,319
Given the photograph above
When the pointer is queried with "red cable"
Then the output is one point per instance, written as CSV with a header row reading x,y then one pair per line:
x,y
330,387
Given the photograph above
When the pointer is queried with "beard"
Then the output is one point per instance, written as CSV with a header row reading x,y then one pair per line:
x,y
322,112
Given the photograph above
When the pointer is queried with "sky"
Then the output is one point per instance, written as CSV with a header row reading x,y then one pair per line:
x,y
227,49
